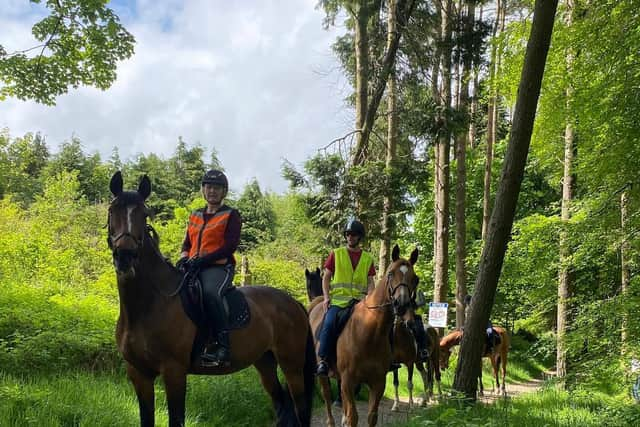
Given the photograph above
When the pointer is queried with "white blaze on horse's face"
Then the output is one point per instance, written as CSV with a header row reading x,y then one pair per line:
x,y
399,290
130,218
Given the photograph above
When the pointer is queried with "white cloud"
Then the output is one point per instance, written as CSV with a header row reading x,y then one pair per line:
x,y
246,78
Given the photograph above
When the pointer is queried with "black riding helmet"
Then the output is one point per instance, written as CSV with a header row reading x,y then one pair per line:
x,y
214,176
354,226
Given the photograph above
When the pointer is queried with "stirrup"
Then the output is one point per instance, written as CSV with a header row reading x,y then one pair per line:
x,y
220,358
323,369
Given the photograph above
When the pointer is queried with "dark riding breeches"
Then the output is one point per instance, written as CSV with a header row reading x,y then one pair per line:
x,y
419,333
215,282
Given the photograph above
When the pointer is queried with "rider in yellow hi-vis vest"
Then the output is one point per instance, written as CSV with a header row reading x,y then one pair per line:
x,y
348,274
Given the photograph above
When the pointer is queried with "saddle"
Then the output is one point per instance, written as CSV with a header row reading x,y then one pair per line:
x,y
493,340
191,296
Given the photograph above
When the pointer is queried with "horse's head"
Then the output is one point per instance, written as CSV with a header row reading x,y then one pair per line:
x,y
446,344
127,223
401,282
314,283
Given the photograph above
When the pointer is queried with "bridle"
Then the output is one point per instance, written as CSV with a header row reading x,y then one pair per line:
x,y
138,241
393,289
149,233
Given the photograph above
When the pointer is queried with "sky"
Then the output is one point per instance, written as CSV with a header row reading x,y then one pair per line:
x,y
254,79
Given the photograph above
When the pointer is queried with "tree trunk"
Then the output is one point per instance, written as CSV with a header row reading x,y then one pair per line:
x,y
461,171
492,116
443,146
392,142
435,72
402,11
474,98
362,15
625,271
565,276
499,230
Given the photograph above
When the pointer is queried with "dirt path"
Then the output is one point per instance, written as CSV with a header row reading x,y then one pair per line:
x,y
386,417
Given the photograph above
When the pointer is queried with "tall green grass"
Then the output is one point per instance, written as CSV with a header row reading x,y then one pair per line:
x,y
548,407
84,399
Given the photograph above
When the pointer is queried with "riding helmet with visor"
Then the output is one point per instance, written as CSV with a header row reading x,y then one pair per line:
x,y
215,177
354,226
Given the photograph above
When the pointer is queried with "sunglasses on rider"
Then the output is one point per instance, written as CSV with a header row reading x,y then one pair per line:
x,y
351,233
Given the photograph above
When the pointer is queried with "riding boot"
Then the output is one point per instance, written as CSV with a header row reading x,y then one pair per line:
x,y
421,339
221,354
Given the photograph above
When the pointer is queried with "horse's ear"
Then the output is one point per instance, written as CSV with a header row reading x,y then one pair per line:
x,y
306,273
144,189
116,184
395,254
318,271
414,256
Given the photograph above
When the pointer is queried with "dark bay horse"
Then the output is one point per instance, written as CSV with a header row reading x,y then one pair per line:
x,y
363,348
314,283
405,351
155,336
498,356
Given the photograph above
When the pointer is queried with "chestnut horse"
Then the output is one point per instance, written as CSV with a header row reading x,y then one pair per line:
x,y
405,351
155,336
498,356
363,348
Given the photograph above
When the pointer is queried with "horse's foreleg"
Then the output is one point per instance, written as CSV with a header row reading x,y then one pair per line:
x,y
436,373
143,385
325,389
376,390
480,385
175,385
410,383
396,383
347,390
426,385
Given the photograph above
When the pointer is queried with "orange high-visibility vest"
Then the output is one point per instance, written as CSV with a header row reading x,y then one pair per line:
x,y
207,236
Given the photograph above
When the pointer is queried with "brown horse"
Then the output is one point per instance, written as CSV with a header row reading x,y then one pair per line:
x,y
498,356
363,348
155,336
405,351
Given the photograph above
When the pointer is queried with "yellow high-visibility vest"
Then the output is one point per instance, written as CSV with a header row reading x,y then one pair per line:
x,y
348,283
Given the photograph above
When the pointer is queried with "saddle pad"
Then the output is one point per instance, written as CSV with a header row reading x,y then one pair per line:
x,y
239,314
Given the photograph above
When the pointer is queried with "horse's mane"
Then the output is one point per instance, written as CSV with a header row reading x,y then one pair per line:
x,y
317,300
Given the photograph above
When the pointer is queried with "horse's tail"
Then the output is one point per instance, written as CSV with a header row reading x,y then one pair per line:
x,y
309,372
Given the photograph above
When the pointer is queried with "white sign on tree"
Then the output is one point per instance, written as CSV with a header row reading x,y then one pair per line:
x,y
438,314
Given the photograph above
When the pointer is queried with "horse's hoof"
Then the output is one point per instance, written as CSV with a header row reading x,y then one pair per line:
x,y
394,408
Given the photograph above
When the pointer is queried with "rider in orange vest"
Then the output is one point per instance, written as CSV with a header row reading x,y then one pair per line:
x,y
212,236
